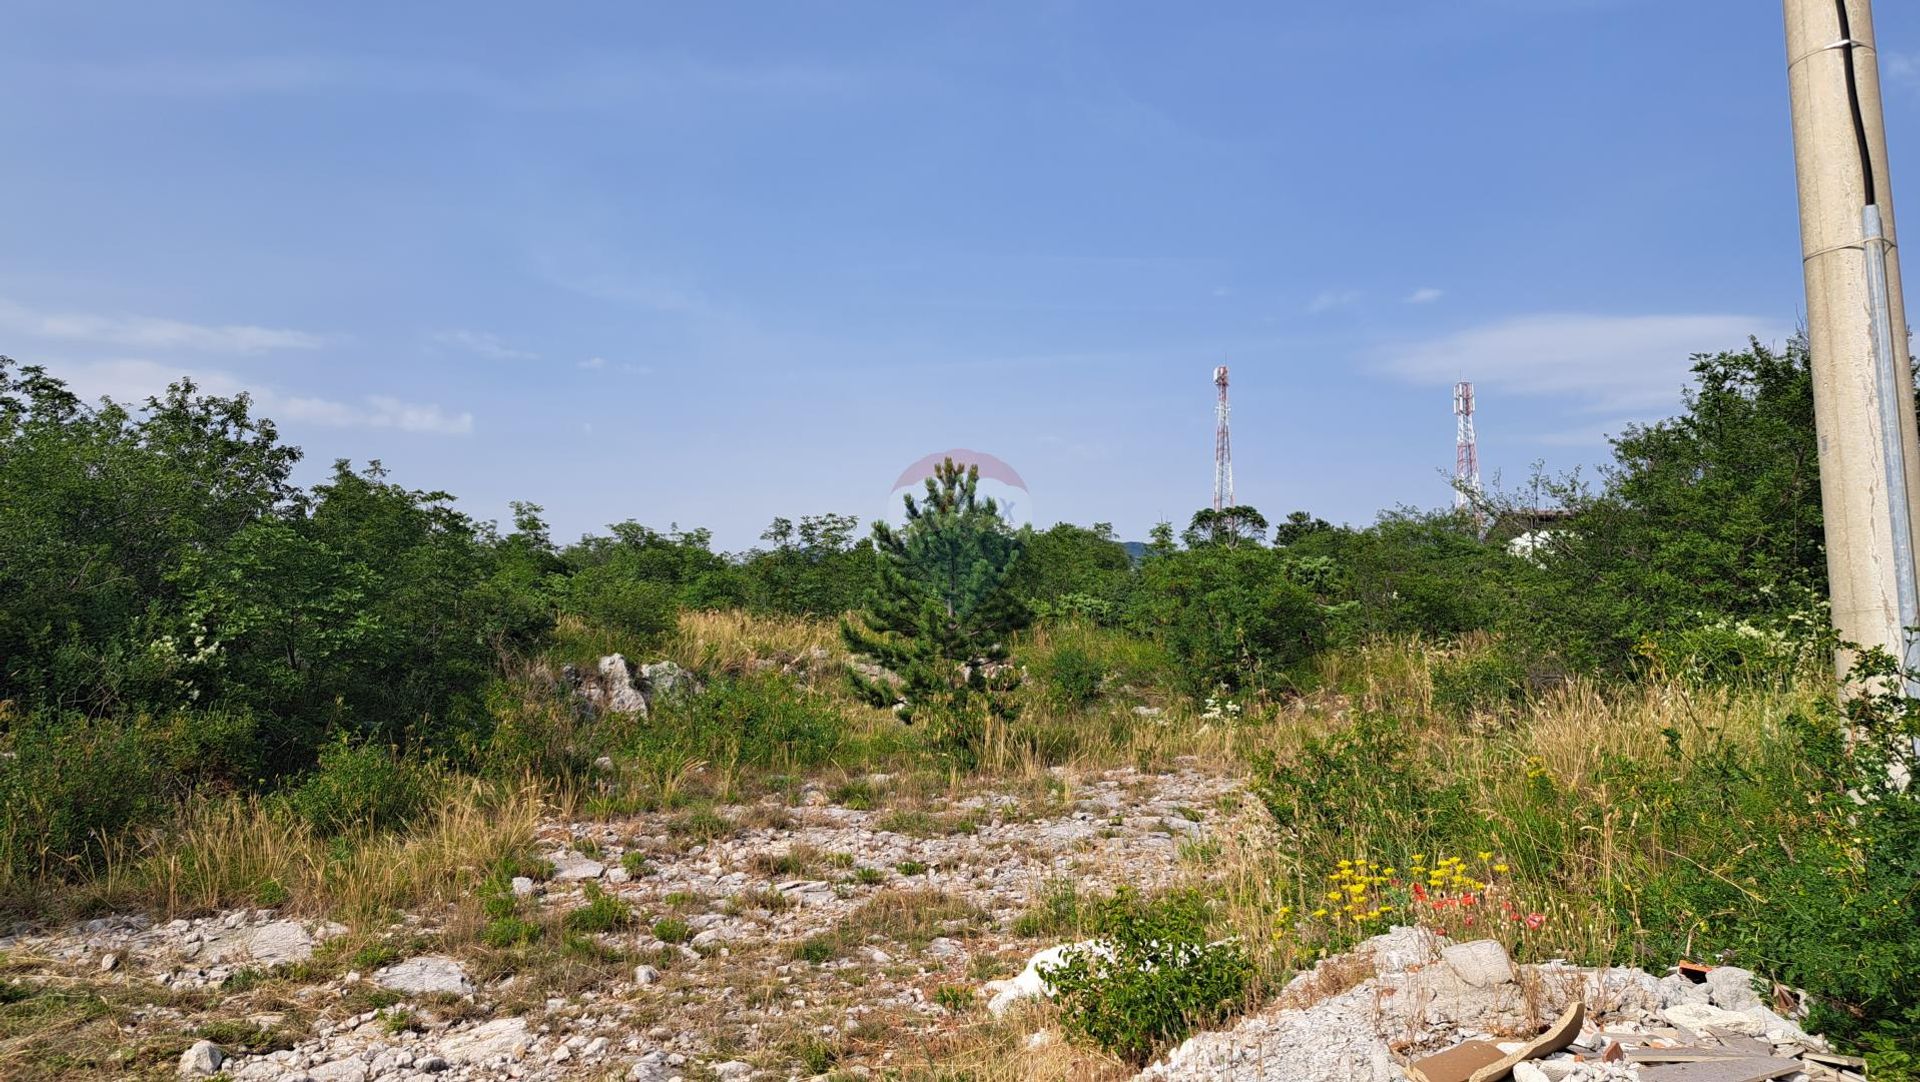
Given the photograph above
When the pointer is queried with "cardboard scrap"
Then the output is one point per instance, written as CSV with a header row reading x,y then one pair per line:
x,y
1558,1036
1456,1064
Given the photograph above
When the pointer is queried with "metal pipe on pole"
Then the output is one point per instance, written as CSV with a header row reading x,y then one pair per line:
x,y
1856,325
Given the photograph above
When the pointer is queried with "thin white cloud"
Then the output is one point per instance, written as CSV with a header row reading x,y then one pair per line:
x,y
1425,295
132,380
598,364
1607,363
1903,68
615,83
1328,300
481,342
385,411
145,332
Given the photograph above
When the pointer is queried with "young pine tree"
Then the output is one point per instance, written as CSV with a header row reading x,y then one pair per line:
x,y
940,613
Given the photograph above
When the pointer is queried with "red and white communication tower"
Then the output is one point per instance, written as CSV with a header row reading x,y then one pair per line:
x,y
1466,452
1222,446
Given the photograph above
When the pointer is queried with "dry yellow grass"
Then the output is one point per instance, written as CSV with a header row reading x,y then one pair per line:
x,y
234,851
732,640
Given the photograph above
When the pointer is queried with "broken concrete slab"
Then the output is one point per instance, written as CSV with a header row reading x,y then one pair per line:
x,y
1723,1070
1732,988
1699,1018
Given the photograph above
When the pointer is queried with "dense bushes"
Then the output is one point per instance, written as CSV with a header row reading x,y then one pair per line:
x,y
1232,615
69,784
1648,831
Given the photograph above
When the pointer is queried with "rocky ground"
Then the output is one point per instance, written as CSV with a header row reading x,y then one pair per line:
x,y
851,931
764,941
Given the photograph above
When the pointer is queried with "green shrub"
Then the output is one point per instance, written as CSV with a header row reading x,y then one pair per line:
x,y
190,749
538,732
375,955
69,785
1059,911
1071,677
910,868
1481,682
815,1053
269,893
244,979
1368,777
855,795
868,876
243,1035
1231,617
616,597
510,931
817,949
763,720
1771,648
1815,883
636,863
702,825
363,787
602,913
1152,979
672,930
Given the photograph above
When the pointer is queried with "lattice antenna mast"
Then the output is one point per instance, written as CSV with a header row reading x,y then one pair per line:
x,y
1466,451
1222,445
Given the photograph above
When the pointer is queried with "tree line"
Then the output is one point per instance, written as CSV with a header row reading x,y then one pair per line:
x,y
165,587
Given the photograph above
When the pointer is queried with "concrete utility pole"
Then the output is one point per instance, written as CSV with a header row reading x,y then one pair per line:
x,y
1856,323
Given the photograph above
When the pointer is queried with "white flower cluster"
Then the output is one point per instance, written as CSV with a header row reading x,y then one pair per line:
x,y
1223,710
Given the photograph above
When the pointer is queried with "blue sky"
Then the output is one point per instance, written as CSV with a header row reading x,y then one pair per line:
x,y
713,263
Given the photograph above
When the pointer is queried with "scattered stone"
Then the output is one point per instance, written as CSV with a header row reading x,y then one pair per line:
x,y
109,962
644,974
617,691
339,1070
1482,963
502,1037
429,974
280,943
732,1069
569,865
201,1060
522,887
669,679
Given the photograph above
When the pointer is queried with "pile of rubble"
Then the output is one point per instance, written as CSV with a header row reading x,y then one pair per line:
x,y
1412,1005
